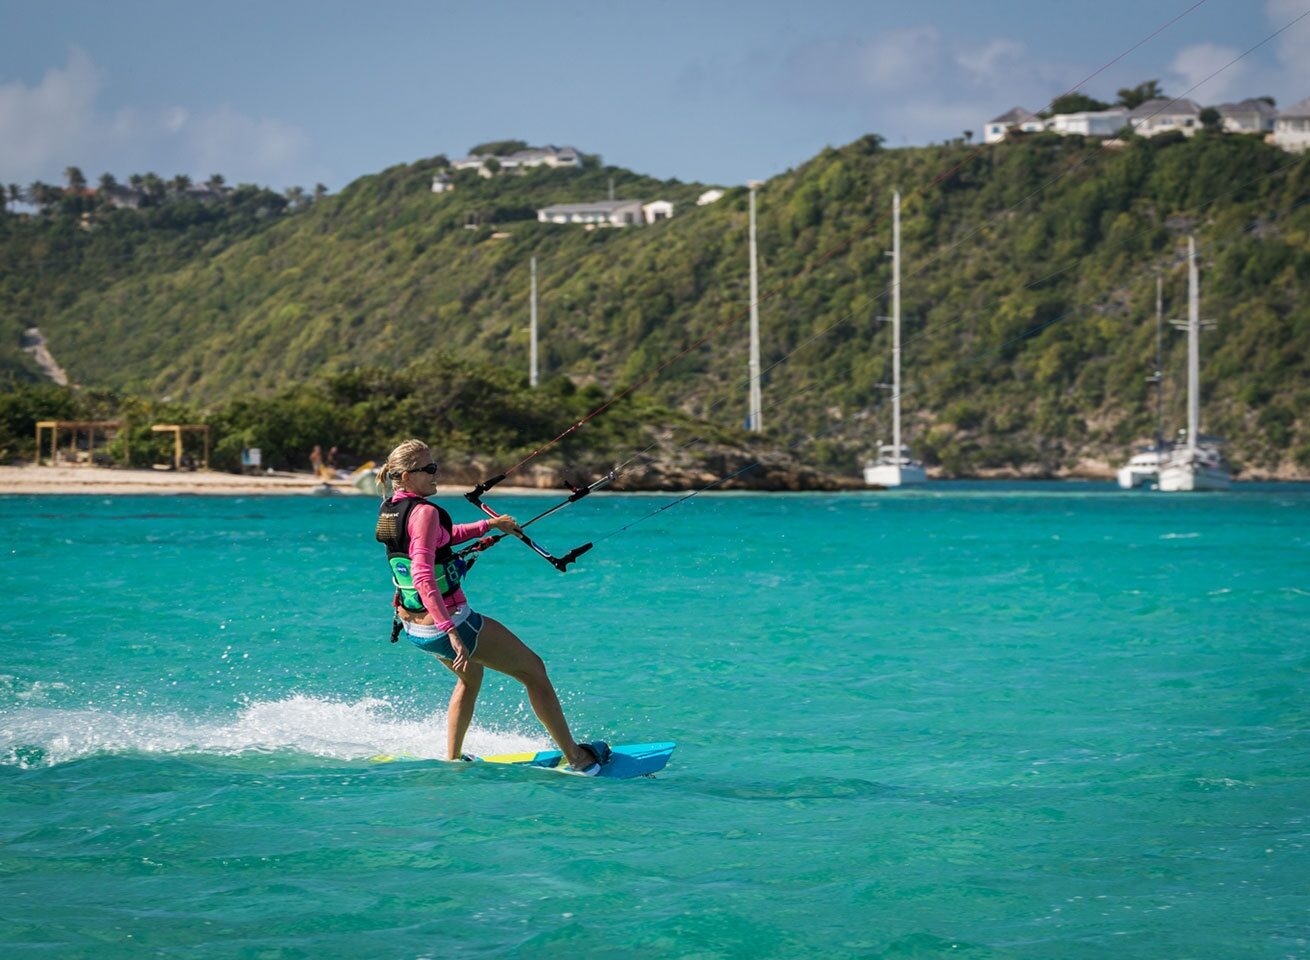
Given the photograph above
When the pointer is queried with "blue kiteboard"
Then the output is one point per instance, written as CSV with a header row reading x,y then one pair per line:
x,y
626,760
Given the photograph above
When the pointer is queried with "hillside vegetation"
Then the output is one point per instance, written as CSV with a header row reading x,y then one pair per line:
x,y
1028,294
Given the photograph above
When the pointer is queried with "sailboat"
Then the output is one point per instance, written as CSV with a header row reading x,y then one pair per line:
x,y
1198,463
1143,468
895,466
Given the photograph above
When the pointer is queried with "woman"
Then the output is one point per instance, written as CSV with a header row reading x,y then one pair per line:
x,y
435,613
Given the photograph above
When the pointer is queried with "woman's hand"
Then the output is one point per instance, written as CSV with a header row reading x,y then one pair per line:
x,y
461,661
505,523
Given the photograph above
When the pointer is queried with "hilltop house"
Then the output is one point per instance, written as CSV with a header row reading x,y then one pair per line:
x,y
657,210
1249,116
610,213
1017,118
521,160
1090,123
1160,115
441,183
1292,128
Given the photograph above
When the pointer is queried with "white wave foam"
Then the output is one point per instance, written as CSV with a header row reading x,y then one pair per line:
x,y
1179,536
310,725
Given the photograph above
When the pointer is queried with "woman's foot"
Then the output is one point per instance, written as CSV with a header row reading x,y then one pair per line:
x,y
589,758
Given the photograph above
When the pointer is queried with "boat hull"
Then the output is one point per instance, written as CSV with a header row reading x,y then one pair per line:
x,y
891,475
1193,478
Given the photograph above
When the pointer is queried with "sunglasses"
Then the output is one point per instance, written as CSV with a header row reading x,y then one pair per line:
x,y
430,470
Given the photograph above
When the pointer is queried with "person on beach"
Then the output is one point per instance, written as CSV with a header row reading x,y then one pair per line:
x,y
435,614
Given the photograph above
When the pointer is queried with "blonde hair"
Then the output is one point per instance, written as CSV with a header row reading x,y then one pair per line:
x,y
405,456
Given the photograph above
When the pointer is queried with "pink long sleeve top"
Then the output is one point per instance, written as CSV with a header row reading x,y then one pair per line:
x,y
426,537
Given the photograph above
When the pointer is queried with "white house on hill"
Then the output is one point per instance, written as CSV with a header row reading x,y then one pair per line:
x,y
1249,116
613,213
657,210
709,196
520,160
1017,118
1292,128
1161,115
1090,123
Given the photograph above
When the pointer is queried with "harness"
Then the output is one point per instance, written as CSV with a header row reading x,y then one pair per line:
x,y
393,533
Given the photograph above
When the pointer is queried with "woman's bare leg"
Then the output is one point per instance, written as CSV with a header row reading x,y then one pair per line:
x,y
462,701
500,650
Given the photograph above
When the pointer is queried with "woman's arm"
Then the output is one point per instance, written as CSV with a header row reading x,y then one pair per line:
x,y
467,531
426,537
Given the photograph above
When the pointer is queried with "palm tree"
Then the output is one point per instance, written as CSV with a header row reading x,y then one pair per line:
x,y
215,182
76,181
1134,97
179,184
154,187
296,197
15,194
320,191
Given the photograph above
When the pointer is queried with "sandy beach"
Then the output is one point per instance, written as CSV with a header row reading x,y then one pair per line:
x,y
104,480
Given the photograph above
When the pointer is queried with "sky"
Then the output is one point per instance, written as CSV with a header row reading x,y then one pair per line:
x,y
292,92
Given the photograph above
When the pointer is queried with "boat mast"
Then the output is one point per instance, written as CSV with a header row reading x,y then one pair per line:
x,y
532,330
756,420
1159,363
896,327
1193,348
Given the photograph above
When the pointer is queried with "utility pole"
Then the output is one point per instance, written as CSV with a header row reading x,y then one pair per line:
x,y
756,421
532,330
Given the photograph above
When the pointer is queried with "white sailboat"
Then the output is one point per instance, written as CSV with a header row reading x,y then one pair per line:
x,y
895,466
1197,464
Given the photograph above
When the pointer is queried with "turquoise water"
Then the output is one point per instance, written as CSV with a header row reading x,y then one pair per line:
x,y
1034,721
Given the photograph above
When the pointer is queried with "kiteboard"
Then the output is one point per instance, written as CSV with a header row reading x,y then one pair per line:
x,y
626,760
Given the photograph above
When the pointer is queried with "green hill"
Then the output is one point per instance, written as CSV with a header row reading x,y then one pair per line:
x,y
1029,287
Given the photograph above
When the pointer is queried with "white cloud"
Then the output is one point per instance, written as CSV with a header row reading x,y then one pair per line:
x,y
1292,48
1193,68
914,85
42,126
58,123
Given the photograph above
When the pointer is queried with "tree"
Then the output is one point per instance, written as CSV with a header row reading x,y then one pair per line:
x,y
179,185
498,148
1268,99
136,181
43,194
215,182
968,136
320,191
296,197
1134,97
74,177
15,194
154,187
1210,119
1077,103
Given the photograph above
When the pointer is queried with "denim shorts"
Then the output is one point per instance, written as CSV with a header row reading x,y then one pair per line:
x,y
428,638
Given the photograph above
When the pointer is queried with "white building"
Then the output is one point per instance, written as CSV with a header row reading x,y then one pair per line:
x,y
1160,115
1090,123
520,160
1017,118
612,213
709,196
1249,116
657,210
441,183
1292,129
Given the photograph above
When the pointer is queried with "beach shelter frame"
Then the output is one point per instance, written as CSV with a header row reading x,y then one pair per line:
x,y
74,427
177,429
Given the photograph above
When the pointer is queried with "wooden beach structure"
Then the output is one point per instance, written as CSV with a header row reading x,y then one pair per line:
x,y
177,429
74,429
